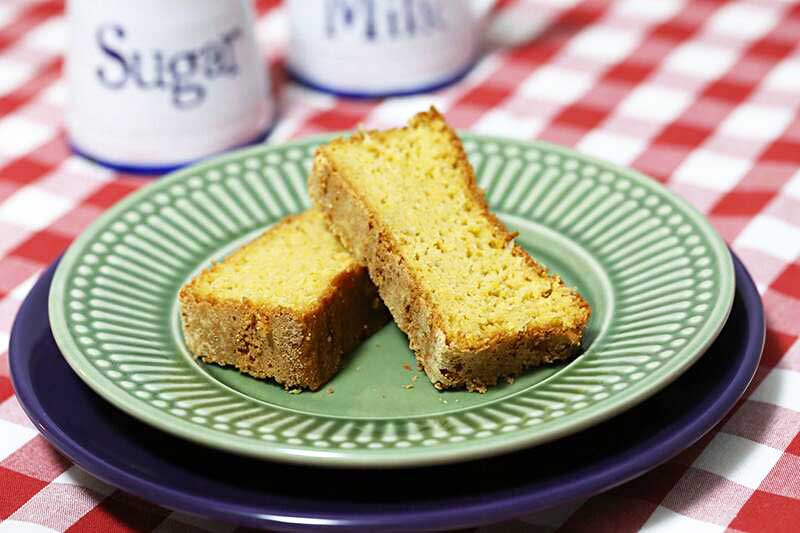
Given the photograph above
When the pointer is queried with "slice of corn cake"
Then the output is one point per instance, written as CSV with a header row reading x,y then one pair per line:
x,y
289,305
473,303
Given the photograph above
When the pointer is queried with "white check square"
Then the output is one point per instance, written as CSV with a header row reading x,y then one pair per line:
x,y
611,147
749,121
604,44
775,237
650,102
792,188
513,25
745,20
7,11
50,35
781,387
13,74
4,338
500,122
556,84
711,170
652,11
397,110
700,60
55,94
738,459
272,32
665,520
85,168
33,208
785,76
19,136
14,437
18,526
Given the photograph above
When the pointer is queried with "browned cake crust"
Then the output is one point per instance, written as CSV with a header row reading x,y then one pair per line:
x,y
448,362
296,350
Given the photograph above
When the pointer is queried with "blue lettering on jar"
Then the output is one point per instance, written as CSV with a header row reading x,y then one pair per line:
x,y
382,20
183,74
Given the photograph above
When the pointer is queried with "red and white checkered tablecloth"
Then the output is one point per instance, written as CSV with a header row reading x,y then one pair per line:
x,y
703,95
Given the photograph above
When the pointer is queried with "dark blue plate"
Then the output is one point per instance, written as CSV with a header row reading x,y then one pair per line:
x,y
187,477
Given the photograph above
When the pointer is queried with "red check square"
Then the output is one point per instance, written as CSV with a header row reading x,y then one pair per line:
x,y
772,49
729,91
743,203
682,135
24,170
776,345
111,193
768,512
783,150
788,282
6,390
17,489
485,96
580,116
631,73
43,247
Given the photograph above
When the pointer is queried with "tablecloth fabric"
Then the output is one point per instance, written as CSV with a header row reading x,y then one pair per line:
x,y
701,95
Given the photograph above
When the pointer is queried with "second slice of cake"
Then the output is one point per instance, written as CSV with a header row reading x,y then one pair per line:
x,y
290,305
473,303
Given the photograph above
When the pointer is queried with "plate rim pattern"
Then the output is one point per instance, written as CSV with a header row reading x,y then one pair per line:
x,y
415,455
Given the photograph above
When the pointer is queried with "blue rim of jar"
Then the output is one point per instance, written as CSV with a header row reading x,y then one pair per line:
x,y
155,169
359,95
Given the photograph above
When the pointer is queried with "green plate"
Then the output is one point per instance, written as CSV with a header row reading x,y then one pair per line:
x,y
659,280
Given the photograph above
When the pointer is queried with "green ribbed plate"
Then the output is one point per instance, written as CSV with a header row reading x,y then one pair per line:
x,y
658,278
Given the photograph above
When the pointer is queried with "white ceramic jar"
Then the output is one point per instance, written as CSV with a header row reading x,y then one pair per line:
x,y
155,84
369,48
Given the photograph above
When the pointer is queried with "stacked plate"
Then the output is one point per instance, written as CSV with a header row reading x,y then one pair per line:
x,y
99,363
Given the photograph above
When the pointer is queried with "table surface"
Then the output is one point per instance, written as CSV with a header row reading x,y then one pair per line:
x,y
701,95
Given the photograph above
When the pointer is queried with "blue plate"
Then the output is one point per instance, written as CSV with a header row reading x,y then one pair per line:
x,y
187,477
